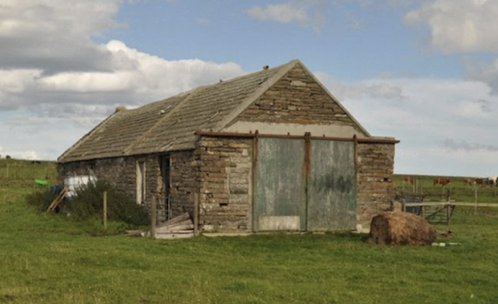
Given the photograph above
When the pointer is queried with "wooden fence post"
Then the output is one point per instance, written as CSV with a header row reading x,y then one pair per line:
x,y
104,211
196,214
475,200
448,215
153,218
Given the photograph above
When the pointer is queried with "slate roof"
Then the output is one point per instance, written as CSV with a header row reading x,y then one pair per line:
x,y
170,124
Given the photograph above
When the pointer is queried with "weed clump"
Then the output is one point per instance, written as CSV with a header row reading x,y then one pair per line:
x,y
88,201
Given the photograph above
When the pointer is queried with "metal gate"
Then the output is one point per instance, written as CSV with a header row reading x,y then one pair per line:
x,y
303,184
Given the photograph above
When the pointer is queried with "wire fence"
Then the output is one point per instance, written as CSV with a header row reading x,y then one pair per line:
x,y
475,199
25,173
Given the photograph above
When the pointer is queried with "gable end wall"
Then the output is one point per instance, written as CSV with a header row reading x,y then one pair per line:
x,y
297,99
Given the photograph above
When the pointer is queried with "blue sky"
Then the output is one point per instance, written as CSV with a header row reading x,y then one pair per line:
x,y
424,72
224,31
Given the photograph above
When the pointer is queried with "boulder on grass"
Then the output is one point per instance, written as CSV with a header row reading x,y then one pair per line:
x,y
401,228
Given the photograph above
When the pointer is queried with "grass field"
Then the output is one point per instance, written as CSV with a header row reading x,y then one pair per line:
x,y
51,259
458,189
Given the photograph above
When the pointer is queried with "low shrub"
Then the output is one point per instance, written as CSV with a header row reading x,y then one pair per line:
x,y
88,202
41,199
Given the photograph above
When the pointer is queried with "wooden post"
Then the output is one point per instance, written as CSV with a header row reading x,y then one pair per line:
x,y
448,215
153,219
196,214
104,211
475,200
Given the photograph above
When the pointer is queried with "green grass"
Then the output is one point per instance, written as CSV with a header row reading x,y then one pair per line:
x,y
47,259
52,259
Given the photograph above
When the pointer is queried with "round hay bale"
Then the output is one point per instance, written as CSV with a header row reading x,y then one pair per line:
x,y
401,228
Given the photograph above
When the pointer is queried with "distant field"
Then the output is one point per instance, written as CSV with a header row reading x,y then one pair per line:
x,y
458,189
25,171
18,176
52,259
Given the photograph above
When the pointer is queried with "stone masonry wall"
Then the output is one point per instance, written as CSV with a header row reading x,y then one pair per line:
x,y
375,187
297,98
121,173
184,181
225,188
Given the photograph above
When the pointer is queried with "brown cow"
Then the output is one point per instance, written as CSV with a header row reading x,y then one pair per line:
x,y
441,181
490,181
408,180
469,181
479,181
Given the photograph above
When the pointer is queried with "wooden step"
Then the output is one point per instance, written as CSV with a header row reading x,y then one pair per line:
x,y
181,234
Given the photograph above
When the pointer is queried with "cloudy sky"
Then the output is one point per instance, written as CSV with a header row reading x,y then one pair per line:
x,y
424,72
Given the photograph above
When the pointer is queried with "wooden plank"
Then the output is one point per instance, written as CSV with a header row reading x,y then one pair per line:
x,y
473,204
175,235
177,219
185,222
466,204
189,226
177,232
58,199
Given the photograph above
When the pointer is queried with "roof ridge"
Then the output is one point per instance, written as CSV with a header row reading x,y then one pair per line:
x,y
283,69
265,69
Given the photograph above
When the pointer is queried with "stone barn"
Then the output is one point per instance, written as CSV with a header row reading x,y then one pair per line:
x,y
268,151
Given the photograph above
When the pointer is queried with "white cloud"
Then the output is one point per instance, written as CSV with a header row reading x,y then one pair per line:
x,y
309,13
440,122
466,146
483,71
384,90
283,13
64,83
460,25
30,154
82,99
55,35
